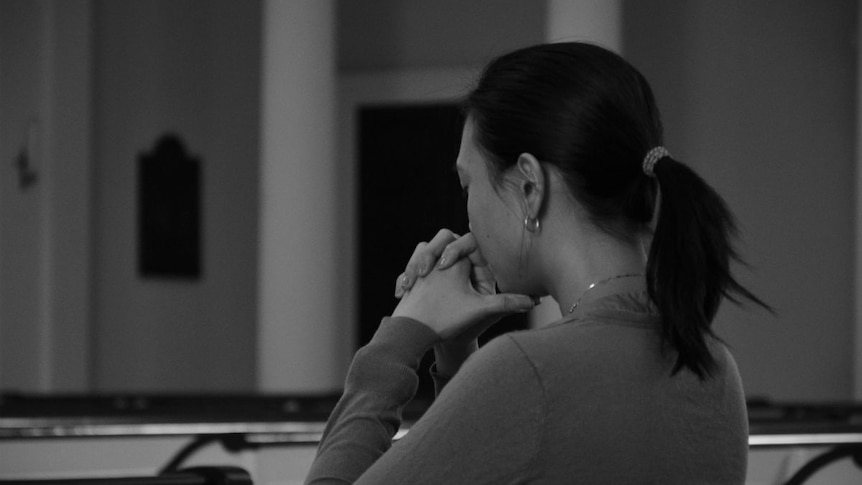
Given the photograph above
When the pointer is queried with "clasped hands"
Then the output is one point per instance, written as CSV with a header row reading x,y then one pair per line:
x,y
448,286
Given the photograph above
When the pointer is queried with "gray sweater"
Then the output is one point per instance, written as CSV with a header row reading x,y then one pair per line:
x,y
589,399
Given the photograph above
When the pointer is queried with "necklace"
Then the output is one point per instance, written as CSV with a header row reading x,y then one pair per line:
x,y
599,283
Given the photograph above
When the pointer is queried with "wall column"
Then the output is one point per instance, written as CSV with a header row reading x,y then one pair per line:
x,y
299,325
596,21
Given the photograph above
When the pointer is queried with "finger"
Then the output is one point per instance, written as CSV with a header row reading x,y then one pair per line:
x,y
462,269
461,247
475,254
508,303
483,280
435,248
408,277
399,289
425,256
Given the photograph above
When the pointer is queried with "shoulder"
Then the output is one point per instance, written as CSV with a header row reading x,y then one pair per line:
x,y
503,356
727,372
500,372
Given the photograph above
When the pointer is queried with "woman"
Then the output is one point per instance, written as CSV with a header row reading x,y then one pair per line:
x,y
570,194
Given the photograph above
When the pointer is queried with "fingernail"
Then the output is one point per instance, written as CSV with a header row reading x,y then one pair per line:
x,y
422,268
442,261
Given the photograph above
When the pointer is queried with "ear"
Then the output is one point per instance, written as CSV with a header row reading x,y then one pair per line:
x,y
532,186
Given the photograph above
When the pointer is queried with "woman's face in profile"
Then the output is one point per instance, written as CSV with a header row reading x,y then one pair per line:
x,y
494,221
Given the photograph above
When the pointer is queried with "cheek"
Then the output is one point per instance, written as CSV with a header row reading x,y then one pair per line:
x,y
492,244
492,225
474,217
479,225
479,220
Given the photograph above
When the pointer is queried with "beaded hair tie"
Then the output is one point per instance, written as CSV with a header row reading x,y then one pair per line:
x,y
652,157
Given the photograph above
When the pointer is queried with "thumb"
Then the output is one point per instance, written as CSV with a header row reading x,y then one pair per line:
x,y
506,303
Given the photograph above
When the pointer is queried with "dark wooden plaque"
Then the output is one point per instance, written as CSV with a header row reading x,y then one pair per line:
x,y
169,211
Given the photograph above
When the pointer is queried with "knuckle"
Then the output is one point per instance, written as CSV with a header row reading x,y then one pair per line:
x,y
444,233
411,265
455,249
427,260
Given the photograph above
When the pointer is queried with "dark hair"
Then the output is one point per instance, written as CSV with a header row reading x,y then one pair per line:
x,y
592,115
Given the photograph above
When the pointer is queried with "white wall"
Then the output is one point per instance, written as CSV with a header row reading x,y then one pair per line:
x,y
759,98
45,106
19,209
189,67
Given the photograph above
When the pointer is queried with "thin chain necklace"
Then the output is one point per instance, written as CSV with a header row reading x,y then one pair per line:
x,y
599,283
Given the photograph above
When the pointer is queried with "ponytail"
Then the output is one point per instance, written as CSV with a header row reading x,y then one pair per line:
x,y
688,270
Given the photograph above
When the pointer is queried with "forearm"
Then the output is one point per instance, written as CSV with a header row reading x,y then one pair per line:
x,y
381,380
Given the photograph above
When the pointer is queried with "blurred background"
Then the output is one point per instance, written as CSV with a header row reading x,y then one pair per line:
x,y
264,100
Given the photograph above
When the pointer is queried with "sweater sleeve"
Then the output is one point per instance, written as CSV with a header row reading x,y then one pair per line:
x,y
485,426
381,381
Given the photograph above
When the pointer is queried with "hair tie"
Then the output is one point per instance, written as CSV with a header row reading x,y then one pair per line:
x,y
652,157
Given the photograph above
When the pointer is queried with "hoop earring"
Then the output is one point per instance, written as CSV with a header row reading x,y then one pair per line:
x,y
532,224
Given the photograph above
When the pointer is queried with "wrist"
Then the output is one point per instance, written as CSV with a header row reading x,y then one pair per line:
x,y
449,356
